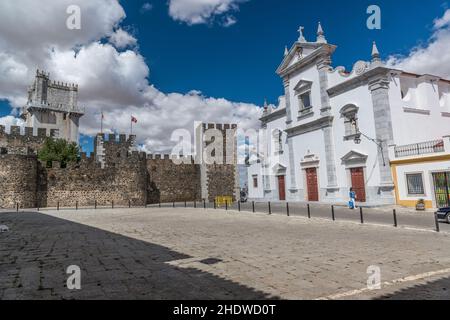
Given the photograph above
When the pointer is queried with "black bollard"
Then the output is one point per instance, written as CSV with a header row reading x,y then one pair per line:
x,y
112,204
270,208
436,219
287,209
95,204
239,206
253,206
76,205
57,206
332,213
204,204
361,215
226,205
395,218
309,211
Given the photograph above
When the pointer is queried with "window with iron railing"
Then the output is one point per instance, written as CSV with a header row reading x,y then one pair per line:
x,y
420,149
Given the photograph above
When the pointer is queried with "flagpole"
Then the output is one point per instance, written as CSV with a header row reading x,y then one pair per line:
x,y
131,125
101,123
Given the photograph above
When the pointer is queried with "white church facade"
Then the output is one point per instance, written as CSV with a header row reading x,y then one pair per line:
x,y
381,131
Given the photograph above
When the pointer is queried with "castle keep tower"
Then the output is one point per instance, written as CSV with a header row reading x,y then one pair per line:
x,y
53,106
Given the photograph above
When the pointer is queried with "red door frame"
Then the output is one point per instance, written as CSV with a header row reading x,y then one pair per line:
x,y
282,188
312,184
358,183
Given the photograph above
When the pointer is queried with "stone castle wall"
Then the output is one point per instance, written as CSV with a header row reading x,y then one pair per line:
x,y
15,142
18,180
222,178
87,183
116,172
171,182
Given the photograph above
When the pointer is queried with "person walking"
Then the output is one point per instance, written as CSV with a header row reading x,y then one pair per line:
x,y
352,202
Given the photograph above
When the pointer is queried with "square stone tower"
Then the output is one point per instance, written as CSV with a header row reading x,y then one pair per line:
x,y
53,105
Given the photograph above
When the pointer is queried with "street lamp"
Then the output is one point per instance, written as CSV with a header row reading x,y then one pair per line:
x,y
358,140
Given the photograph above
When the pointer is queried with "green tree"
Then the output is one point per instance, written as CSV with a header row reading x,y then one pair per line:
x,y
58,150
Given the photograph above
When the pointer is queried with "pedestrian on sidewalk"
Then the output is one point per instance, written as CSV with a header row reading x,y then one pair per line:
x,y
352,202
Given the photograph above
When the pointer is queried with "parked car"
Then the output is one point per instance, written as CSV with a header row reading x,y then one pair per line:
x,y
444,214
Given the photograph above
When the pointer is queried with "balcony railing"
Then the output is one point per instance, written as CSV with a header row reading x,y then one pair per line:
x,y
420,149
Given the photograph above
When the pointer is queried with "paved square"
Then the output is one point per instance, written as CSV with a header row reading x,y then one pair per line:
x,y
212,254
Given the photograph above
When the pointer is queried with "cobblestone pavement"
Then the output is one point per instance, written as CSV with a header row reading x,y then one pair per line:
x,y
212,254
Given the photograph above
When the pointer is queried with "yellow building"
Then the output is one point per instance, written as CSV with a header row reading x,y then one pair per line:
x,y
422,172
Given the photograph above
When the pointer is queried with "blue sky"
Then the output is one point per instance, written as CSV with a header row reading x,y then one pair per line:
x,y
239,62
180,59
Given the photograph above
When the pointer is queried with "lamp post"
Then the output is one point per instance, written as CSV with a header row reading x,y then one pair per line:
x,y
358,140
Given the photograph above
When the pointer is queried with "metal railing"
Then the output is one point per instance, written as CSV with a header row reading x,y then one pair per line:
x,y
420,149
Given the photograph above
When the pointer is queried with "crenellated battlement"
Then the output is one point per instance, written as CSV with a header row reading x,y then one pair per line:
x,y
116,138
64,86
16,132
219,126
171,158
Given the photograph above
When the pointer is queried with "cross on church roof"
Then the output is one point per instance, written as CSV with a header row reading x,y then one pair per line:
x,y
302,37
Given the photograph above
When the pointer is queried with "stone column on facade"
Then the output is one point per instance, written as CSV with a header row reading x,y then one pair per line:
x,y
293,188
323,67
379,88
287,96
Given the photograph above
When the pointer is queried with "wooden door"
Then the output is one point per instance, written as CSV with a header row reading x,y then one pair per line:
x,y
282,188
359,184
311,182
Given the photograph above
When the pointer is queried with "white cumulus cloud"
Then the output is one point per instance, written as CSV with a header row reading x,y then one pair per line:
x,y
204,11
431,58
122,39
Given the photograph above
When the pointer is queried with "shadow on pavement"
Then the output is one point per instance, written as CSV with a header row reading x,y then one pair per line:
x,y
433,290
38,249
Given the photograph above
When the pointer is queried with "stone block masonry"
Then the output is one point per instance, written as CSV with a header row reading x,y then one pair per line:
x,y
172,182
18,180
87,183
16,142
